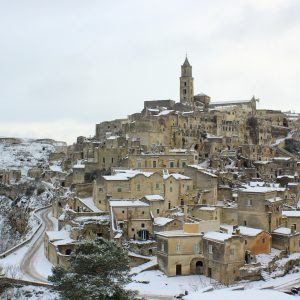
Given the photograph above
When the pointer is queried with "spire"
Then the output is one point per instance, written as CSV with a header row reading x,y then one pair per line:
x,y
186,62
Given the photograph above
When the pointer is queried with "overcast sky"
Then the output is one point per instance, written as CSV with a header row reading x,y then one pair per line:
x,y
67,65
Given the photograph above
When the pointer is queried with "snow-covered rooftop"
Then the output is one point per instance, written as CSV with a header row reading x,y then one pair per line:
x,y
154,197
161,221
92,218
89,202
204,171
66,241
282,158
124,203
249,231
58,235
274,199
126,174
207,208
176,176
283,230
164,112
261,187
218,236
291,213
175,233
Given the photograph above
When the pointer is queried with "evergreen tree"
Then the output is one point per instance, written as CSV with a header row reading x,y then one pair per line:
x,y
98,270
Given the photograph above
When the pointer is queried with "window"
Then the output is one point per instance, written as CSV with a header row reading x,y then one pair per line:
x,y
154,164
231,252
196,248
112,159
210,249
139,164
119,190
249,202
132,229
169,205
171,164
143,225
177,247
123,211
263,240
103,159
157,186
101,190
187,187
171,189
138,187
143,212
162,246
157,210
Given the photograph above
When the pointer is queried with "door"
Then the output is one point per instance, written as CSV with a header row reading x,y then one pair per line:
x,y
178,269
208,272
199,267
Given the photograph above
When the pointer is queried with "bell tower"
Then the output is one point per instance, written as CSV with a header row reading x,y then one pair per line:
x,y
186,83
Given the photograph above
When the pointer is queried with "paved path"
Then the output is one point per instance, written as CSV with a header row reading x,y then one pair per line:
x,y
27,265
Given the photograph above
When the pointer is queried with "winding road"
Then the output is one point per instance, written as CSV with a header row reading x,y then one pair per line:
x,y
28,266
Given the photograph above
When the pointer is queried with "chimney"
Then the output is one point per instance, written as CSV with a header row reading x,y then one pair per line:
x,y
293,229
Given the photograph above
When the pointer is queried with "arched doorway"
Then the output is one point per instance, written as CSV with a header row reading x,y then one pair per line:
x,y
199,267
68,251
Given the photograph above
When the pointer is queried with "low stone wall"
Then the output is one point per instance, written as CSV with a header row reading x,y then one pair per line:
x,y
5,281
145,248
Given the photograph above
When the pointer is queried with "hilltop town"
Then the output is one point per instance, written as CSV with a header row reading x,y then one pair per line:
x,y
196,186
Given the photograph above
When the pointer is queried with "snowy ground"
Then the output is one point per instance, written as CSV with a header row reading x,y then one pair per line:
x,y
238,295
155,283
25,155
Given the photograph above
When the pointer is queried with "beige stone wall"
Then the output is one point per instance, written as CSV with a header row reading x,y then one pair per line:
x,y
178,251
175,163
289,243
259,244
289,221
206,213
205,183
229,216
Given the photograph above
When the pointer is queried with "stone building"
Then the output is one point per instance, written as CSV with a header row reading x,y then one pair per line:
x,y
260,207
132,218
204,182
173,160
286,239
134,184
197,250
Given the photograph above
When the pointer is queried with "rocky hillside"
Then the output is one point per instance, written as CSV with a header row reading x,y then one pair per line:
x,y
20,194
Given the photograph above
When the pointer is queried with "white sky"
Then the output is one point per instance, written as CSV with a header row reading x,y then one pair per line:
x,y
66,65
